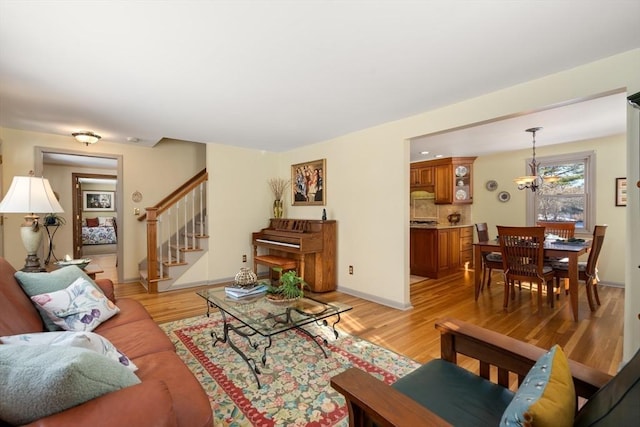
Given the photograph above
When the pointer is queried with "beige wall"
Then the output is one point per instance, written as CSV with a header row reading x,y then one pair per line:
x,y
368,179
152,171
367,184
504,167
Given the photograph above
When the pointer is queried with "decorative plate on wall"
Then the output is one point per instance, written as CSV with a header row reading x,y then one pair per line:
x,y
491,185
136,196
504,196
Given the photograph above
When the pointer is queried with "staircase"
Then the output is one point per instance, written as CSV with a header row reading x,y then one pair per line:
x,y
176,235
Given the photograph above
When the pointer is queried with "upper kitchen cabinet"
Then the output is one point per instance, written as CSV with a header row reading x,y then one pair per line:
x,y
453,180
422,176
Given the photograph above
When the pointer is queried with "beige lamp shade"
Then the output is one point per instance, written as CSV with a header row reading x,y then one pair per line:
x,y
30,194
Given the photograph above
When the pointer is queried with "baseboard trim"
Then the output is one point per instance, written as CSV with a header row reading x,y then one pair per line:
x,y
374,298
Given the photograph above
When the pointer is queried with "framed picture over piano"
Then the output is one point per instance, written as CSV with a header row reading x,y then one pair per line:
x,y
309,183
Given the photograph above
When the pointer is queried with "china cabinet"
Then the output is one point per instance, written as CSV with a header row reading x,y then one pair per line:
x,y
453,180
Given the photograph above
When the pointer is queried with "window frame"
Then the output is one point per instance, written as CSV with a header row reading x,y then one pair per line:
x,y
589,159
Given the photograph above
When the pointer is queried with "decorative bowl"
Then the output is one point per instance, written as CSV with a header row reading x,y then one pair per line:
x,y
245,278
81,263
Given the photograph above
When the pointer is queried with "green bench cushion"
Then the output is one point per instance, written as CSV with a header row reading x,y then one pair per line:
x,y
477,401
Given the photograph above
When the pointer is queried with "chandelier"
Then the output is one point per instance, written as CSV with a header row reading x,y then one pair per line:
x,y
533,181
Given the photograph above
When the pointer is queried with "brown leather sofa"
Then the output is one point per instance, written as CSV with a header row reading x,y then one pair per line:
x,y
169,394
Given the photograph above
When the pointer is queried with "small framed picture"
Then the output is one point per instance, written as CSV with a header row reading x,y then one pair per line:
x,y
309,183
621,191
98,201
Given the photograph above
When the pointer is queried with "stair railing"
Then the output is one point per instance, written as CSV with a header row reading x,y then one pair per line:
x,y
181,213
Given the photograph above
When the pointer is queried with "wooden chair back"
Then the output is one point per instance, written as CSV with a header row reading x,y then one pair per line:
x,y
522,252
564,229
483,231
596,247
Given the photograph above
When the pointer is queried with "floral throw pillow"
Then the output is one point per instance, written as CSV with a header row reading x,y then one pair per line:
x,y
79,307
88,340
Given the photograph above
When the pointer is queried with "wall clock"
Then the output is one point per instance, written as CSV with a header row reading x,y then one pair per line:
x,y
136,196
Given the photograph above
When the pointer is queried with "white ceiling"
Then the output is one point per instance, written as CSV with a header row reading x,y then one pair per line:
x,y
595,118
275,75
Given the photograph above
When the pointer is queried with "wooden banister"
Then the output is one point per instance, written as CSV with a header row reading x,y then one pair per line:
x,y
178,193
152,216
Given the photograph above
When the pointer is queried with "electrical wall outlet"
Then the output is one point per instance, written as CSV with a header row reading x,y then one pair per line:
x,y
351,269
244,258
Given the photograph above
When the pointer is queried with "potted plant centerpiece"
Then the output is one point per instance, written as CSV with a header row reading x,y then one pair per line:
x,y
289,288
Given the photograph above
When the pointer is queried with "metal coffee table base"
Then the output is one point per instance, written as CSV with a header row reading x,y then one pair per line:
x,y
246,332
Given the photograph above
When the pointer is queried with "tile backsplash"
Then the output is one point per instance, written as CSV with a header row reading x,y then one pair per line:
x,y
423,207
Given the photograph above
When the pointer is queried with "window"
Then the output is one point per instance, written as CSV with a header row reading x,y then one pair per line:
x,y
571,197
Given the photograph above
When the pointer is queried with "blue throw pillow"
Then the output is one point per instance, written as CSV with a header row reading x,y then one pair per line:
x,y
546,397
37,381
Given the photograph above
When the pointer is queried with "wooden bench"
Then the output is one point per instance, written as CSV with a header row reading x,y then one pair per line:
x,y
271,261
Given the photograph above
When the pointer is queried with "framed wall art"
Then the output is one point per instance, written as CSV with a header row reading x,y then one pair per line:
x,y
621,191
98,200
309,183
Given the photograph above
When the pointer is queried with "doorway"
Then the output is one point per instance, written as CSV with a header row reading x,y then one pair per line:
x,y
59,165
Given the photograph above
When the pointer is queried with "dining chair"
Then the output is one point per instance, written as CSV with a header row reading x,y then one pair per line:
x,y
523,260
563,229
587,271
490,260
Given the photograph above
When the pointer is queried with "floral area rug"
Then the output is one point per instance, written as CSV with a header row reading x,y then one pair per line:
x,y
295,388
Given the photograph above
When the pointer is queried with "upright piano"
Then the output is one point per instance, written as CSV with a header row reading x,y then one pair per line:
x,y
311,243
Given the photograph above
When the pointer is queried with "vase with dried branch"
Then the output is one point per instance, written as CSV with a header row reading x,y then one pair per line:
x,y
278,187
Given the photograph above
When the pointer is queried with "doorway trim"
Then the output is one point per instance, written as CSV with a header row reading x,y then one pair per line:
x,y
39,167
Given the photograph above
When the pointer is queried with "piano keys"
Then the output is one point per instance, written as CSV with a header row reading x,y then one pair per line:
x,y
312,243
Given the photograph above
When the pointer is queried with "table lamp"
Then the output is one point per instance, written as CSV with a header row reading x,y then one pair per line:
x,y
29,194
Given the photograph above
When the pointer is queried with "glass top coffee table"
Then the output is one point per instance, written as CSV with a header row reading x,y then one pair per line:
x,y
257,316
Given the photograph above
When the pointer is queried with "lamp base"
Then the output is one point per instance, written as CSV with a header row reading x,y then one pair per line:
x,y
32,264
31,234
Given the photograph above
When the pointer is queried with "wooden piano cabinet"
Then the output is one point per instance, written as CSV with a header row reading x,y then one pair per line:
x,y
312,243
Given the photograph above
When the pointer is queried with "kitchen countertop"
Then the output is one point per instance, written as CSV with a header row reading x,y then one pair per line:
x,y
439,226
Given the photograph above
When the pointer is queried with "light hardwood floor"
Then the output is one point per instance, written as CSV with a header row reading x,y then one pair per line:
x,y
595,340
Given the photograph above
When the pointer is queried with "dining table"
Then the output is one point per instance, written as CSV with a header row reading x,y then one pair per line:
x,y
570,250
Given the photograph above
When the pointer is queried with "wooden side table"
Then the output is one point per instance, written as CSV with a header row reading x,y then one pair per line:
x,y
91,270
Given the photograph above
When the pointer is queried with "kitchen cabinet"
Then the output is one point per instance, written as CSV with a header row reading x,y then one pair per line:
x,y
453,178
438,252
466,246
421,176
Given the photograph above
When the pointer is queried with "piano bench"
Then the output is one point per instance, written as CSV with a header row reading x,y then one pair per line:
x,y
275,261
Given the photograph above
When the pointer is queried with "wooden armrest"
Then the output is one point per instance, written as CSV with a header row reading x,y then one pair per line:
x,y
370,399
458,337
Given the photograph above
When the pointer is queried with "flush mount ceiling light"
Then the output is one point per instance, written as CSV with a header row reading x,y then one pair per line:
x,y
533,181
86,137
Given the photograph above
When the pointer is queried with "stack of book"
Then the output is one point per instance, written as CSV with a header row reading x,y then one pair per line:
x,y
244,292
